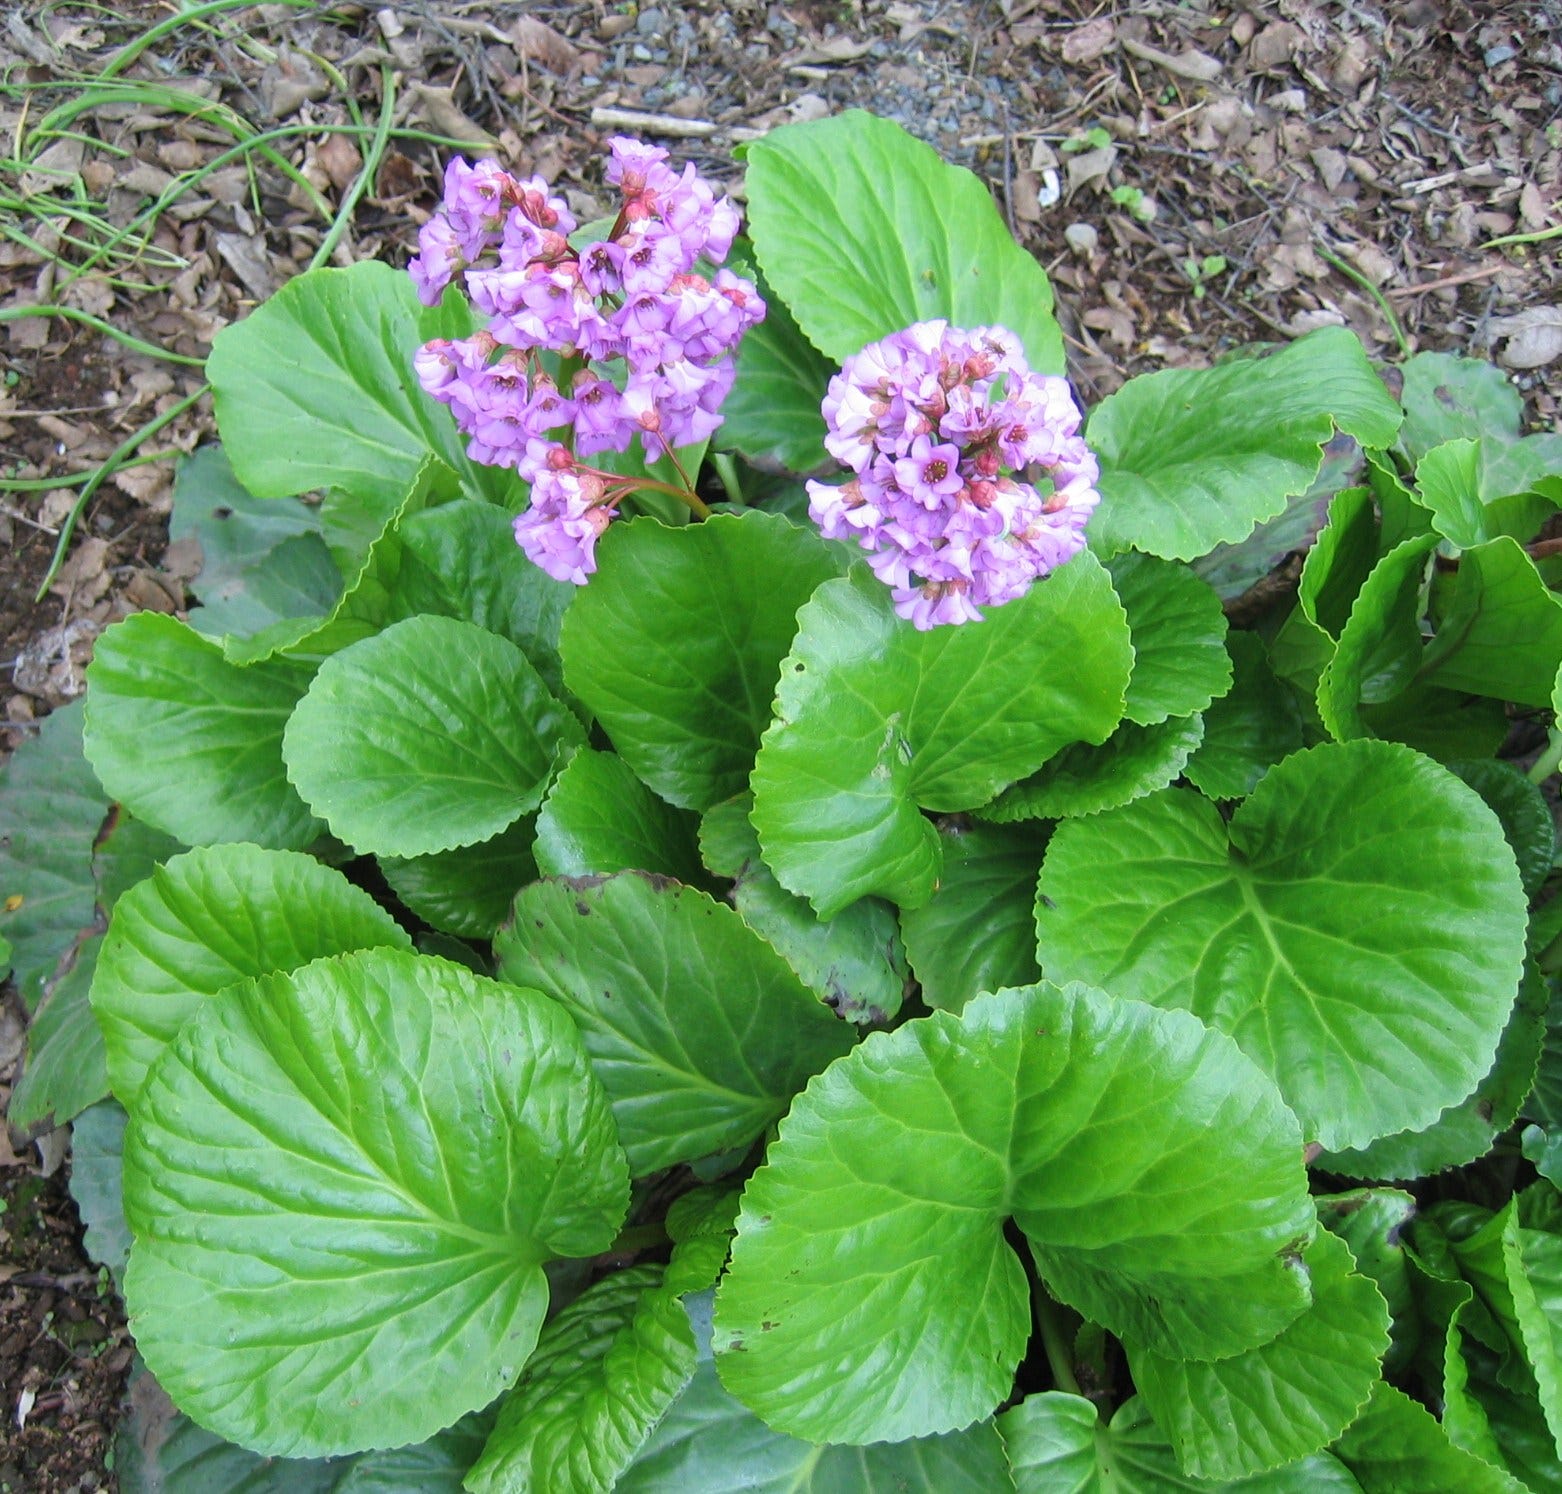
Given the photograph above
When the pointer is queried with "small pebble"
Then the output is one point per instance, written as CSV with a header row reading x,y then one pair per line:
x,y
1496,56
1082,239
649,22
640,52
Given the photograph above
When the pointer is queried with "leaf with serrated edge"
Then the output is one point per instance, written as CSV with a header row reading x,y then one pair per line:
x,y
872,1294
1523,811
875,719
854,961
599,818
315,389
431,735
51,810
1396,1446
343,1183
675,645
1370,1220
1194,458
1132,762
699,1030
1179,633
216,773
1285,1399
977,932
208,919
863,230
1058,1444
1502,633
1247,731
1359,930
468,891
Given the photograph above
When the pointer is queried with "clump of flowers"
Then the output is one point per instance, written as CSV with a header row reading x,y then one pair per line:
x,y
970,481
633,299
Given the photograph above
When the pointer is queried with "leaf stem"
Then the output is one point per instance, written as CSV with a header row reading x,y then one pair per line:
x,y
366,175
1550,760
727,471
1351,273
1058,1358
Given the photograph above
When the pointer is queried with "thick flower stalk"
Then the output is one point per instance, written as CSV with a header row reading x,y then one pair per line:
x,y
633,299
971,480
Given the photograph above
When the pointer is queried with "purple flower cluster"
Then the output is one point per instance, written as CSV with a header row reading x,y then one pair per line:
x,y
635,296
971,479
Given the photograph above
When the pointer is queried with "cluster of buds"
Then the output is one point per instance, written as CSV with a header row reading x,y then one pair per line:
x,y
971,480
632,298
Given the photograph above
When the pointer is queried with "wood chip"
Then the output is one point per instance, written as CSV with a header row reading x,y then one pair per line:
x,y
658,124
1197,67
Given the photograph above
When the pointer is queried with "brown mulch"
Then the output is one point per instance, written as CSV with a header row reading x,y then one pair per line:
x,y
1194,176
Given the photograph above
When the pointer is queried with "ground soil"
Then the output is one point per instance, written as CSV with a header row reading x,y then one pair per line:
x,y
1195,176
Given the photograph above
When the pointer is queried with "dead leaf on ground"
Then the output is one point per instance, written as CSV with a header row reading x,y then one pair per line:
x,y
1086,43
438,107
1534,337
340,160
538,42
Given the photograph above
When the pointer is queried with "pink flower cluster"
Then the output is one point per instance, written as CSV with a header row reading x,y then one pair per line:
x,y
635,296
971,479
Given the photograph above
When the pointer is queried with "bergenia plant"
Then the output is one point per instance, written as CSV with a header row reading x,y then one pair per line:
x,y
897,939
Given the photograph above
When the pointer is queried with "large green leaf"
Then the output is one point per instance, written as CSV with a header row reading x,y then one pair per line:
x,y
1397,1447
675,645
1370,1221
1449,479
1447,398
431,735
1465,1130
1523,811
772,412
862,230
343,1183
1380,646
64,1069
1502,633
875,719
854,960
872,1294
51,810
315,389
605,1371
191,743
1285,1399
1132,762
1247,731
1195,458
697,1027
1059,1444
206,920
977,932
261,560
97,1149
1358,928
1179,634
468,891
599,818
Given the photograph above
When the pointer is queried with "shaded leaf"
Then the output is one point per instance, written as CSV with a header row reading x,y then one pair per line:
x,y
1247,731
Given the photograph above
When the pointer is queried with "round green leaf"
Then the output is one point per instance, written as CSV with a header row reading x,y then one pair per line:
x,y
467,891
314,388
1285,1399
863,230
605,1371
431,735
875,719
1248,731
709,1443
699,1029
1179,634
1446,398
1132,762
1464,1131
599,818
51,810
854,960
977,932
208,919
1058,1444
343,1183
191,743
1192,458
1525,815
872,1294
1397,1445
1359,931
675,645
